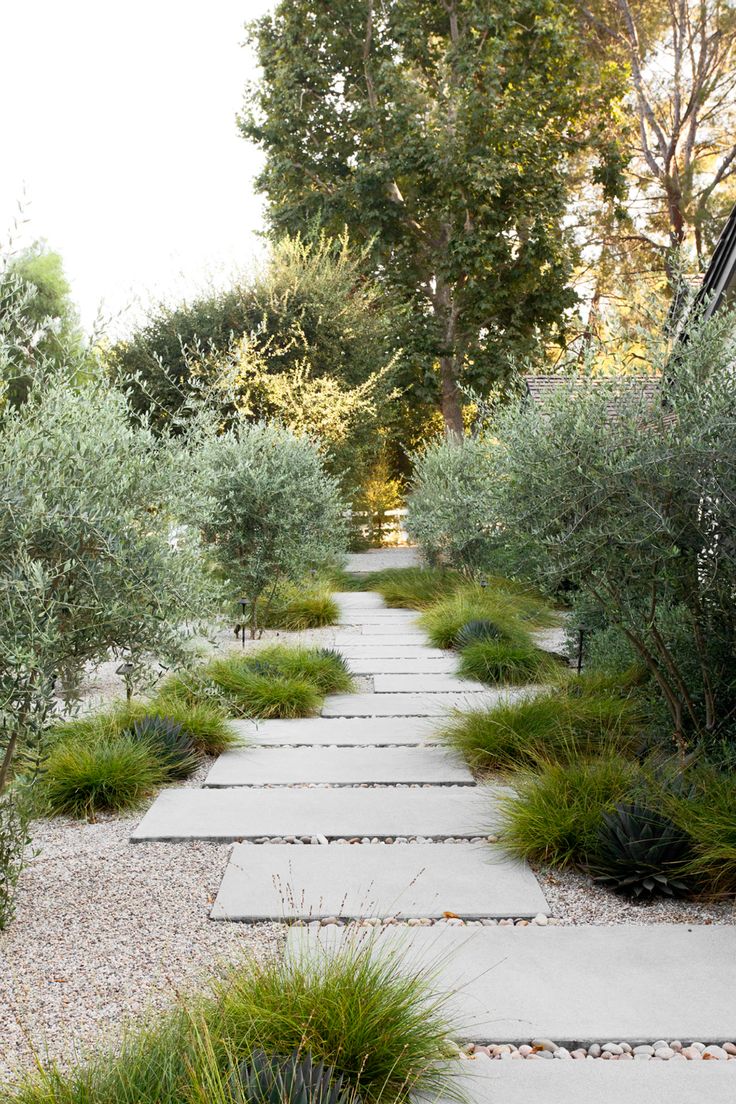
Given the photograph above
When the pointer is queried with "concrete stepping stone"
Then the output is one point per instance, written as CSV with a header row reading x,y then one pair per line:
x,y
414,880
359,648
575,985
357,615
238,813
519,1082
361,563
339,766
413,705
384,640
400,665
393,628
359,599
340,732
425,684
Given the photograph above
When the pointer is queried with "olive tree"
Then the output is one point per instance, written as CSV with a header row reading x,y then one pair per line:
x,y
88,570
635,503
272,511
451,509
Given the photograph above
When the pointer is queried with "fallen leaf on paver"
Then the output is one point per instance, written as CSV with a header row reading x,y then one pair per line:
x,y
451,915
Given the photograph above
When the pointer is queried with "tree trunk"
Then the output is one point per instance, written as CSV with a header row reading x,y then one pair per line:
x,y
450,397
447,315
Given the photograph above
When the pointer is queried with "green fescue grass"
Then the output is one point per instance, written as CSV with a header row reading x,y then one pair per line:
x,y
274,682
551,726
264,696
206,725
374,1020
325,668
555,812
514,613
411,587
296,610
106,773
706,810
500,661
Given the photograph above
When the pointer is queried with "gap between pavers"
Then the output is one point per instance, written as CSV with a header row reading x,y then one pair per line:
x,y
595,1082
575,985
472,880
238,813
425,684
415,705
340,731
340,766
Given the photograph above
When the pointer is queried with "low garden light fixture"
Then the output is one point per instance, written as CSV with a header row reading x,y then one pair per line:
x,y
581,644
126,670
243,617
483,583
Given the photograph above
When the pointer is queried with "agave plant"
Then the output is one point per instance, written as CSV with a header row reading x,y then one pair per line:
x,y
173,746
296,1079
640,853
475,631
335,657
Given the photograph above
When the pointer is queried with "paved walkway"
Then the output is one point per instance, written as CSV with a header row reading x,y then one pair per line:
x,y
363,813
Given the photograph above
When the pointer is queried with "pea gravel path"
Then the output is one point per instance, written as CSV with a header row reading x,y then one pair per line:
x,y
105,930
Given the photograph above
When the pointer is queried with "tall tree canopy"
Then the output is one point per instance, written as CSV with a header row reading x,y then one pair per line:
x,y
439,132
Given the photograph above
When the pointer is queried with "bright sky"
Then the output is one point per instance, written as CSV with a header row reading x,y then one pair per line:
x,y
118,128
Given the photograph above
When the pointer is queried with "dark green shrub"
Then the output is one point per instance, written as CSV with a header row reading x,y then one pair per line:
x,y
555,814
108,774
640,853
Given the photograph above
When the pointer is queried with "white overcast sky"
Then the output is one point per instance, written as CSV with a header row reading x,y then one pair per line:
x,y
118,127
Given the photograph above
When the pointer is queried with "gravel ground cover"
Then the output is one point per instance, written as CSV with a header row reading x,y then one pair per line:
x,y
105,930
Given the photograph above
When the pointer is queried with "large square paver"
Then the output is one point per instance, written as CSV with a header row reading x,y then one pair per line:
x,y
239,812
425,684
577,984
413,705
342,766
274,882
400,665
359,599
393,637
340,731
517,1082
361,648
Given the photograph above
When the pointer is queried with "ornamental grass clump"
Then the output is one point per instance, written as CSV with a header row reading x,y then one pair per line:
x,y
412,587
109,774
501,661
296,611
550,727
361,1011
250,693
556,812
513,613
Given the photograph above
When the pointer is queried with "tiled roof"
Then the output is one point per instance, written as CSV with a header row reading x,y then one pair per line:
x,y
540,388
